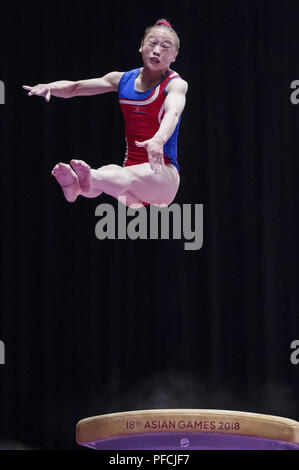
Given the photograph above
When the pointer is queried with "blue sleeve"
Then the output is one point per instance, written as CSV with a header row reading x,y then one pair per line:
x,y
121,82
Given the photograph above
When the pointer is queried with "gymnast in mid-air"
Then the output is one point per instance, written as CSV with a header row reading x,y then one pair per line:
x,y
152,99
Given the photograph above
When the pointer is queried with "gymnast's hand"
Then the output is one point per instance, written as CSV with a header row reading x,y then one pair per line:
x,y
154,148
39,90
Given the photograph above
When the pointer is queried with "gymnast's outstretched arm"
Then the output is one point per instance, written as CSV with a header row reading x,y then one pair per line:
x,y
174,106
69,89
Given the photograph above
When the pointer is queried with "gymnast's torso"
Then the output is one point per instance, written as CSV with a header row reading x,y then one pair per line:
x,y
143,112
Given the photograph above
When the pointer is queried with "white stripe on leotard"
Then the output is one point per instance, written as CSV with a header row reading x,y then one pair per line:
x,y
142,102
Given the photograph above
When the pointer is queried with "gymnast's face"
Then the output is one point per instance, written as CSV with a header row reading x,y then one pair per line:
x,y
158,49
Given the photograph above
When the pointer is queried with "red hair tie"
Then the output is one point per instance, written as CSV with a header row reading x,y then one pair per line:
x,y
165,23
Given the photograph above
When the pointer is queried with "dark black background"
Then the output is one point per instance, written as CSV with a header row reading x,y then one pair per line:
x,y
94,327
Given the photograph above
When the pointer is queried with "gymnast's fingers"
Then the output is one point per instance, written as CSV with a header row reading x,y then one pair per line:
x,y
28,88
39,90
141,144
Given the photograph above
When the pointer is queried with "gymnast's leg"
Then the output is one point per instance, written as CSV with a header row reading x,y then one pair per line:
x,y
159,189
138,182
77,179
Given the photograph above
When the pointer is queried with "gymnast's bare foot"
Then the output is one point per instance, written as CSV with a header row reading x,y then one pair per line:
x,y
83,172
68,181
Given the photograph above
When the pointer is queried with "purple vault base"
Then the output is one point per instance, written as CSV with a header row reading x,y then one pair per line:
x,y
190,441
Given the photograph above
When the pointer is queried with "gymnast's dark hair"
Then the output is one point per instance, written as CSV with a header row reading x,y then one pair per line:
x,y
162,23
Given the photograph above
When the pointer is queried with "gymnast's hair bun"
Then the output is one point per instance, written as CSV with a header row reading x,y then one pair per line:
x,y
163,22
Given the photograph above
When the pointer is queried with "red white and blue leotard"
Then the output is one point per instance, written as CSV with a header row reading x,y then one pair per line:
x,y
143,113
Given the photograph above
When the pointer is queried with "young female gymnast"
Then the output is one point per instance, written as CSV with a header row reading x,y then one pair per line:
x,y
152,99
